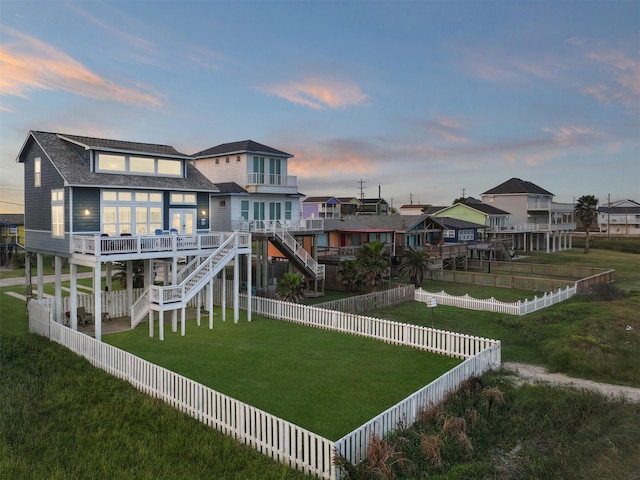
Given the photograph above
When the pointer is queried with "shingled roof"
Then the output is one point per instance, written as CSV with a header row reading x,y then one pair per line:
x,y
516,185
244,146
68,159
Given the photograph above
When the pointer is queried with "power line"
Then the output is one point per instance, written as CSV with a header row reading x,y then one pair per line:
x,y
11,203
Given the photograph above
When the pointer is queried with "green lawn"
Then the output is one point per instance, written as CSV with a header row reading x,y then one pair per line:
x,y
327,382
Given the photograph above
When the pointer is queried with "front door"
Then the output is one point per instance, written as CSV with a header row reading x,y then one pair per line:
x,y
184,221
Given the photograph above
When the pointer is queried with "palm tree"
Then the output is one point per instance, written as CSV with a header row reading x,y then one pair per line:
x,y
291,287
586,210
414,264
349,276
372,264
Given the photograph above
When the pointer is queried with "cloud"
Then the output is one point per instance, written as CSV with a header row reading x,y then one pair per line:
x,y
446,128
319,93
30,64
624,86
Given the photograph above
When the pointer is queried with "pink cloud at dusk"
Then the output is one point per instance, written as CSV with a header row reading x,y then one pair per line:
x,y
30,64
318,93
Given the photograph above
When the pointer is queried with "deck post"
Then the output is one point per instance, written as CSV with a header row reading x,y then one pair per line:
x,y
40,274
161,326
58,288
236,284
210,303
73,299
224,294
97,298
249,287
174,281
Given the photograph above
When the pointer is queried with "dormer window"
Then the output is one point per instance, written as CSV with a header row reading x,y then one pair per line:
x,y
138,165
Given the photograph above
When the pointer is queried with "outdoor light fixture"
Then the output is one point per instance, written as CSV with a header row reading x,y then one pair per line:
x,y
86,212
204,213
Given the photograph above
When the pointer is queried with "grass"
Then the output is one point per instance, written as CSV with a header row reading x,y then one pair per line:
x,y
332,385
60,418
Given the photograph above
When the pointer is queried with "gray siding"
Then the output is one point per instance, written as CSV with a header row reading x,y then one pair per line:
x,y
37,200
220,215
42,242
203,205
86,199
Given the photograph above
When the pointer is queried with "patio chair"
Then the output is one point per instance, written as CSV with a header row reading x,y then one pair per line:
x,y
84,317
159,231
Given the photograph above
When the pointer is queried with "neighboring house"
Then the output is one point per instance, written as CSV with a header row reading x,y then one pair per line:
x,y
97,201
262,172
321,207
373,206
257,194
413,209
536,222
11,235
343,237
620,218
349,206
460,231
491,218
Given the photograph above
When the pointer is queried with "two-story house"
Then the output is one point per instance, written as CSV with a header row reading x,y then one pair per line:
x,y
95,201
321,207
621,217
535,220
257,194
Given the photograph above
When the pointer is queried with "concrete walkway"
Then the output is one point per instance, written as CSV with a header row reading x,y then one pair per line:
x,y
12,282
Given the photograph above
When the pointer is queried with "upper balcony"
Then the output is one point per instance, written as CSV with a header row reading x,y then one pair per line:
x,y
270,226
86,249
271,183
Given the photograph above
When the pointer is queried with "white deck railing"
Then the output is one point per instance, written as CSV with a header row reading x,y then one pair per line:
x,y
98,245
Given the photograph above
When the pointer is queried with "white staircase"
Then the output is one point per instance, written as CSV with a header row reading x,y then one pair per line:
x,y
192,279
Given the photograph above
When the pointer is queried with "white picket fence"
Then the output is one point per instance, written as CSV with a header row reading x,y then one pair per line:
x,y
521,307
272,436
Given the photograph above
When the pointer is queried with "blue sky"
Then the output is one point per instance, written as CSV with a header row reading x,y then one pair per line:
x,y
425,99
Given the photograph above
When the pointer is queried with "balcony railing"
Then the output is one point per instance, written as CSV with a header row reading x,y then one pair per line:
x,y
98,245
272,179
270,226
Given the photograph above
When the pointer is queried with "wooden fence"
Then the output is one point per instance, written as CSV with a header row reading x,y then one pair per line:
x,y
396,295
272,436
521,307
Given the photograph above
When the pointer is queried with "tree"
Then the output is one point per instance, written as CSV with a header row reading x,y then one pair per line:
x,y
586,210
414,264
291,287
462,200
138,274
349,276
372,264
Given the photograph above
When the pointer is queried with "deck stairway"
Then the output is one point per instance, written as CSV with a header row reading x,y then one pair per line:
x,y
192,279
287,244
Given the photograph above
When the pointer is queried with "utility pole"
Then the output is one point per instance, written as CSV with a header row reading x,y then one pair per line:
x,y
361,182
609,217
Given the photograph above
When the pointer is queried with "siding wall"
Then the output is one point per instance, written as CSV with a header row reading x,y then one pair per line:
x,y
86,199
233,171
221,215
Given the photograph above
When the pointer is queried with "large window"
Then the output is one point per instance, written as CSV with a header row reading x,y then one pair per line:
x,y
37,175
138,213
244,209
258,170
258,211
135,165
183,198
287,210
274,211
275,171
57,213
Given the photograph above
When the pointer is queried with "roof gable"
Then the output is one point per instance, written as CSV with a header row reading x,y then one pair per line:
x,y
66,157
244,146
516,185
